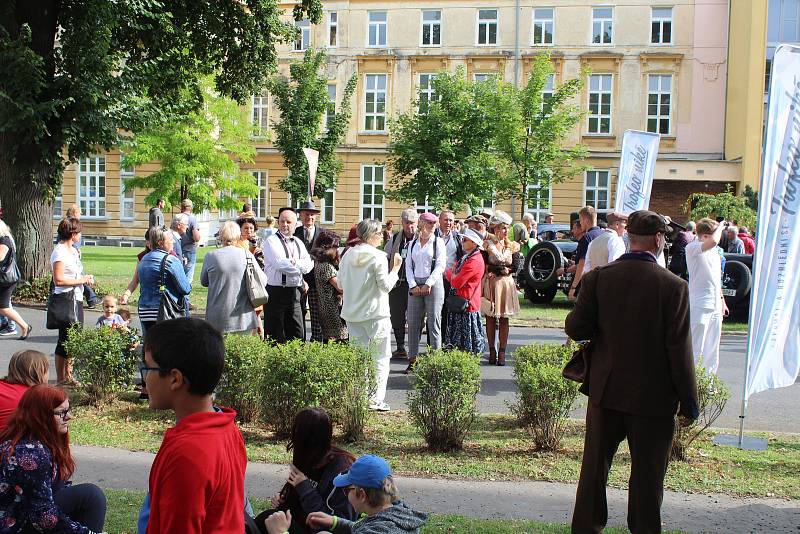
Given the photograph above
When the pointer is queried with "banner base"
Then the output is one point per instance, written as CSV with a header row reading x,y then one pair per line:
x,y
748,443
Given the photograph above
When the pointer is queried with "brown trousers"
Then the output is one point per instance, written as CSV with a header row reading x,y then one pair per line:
x,y
649,441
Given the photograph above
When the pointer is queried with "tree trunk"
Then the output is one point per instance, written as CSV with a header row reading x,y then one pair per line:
x,y
29,215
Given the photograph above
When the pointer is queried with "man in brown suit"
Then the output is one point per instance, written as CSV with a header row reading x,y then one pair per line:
x,y
636,315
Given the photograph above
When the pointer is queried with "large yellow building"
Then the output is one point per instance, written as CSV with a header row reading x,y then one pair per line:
x,y
655,65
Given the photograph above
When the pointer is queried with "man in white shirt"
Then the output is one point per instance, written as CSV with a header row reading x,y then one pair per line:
x,y
286,260
609,245
452,243
706,303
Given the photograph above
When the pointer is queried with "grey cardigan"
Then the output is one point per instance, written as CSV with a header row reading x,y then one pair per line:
x,y
229,309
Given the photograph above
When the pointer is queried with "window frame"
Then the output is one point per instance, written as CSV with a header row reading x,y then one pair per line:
x,y
260,210
124,175
425,207
259,111
596,189
431,23
85,201
305,31
599,115
58,200
552,22
324,207
658,117
372,183
487,74
378,24
548,88
539,211
495,21
333,25
375,114
429,90
330,110
601,21
661,21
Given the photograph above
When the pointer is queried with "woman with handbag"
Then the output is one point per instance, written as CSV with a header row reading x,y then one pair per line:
x,y
229,309
65,304
464,326
329,293
501,301
9,277
157,269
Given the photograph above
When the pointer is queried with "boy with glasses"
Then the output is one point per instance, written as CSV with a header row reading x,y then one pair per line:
x,y
197,478
370,489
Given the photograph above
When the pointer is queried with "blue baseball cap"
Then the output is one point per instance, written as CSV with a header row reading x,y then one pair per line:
x,y
367,472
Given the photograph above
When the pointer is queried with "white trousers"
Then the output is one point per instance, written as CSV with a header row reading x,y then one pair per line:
x,y
706,326
375,336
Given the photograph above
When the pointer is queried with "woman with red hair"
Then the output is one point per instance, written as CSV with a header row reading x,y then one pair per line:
x,y
35,466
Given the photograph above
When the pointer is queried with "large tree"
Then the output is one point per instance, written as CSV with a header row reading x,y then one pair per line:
x,y
199,156
75,73
532,126
302,101
443,151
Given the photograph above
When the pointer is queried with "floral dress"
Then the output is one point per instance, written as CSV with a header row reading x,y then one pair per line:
x,y
27,477
329,303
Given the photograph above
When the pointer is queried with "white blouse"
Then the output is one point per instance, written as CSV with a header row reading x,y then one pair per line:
x,y
421,264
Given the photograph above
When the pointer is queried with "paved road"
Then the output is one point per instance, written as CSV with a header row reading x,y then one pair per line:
x,y
774,410
542,501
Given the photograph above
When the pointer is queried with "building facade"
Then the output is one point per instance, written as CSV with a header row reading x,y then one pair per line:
x,y
655,65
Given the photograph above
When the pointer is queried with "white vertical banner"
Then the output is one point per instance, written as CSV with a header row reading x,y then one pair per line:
x,y
637,165
313,158
773,346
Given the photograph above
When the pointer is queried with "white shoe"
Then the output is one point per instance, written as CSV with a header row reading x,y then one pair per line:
x,y
379,407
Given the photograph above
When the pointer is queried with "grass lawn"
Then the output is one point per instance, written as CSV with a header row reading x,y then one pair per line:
x,y
494,450
123,509
552,315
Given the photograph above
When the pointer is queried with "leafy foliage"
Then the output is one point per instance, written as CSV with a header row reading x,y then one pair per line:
x,y
297,375
544,397
712,396
726,204
531,132
445,153
302,101
199,156
442,403
238,387
105,360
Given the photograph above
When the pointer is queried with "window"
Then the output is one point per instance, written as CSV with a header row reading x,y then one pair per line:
x,y
597,189
57,203
487,203
261,202
333,29
426,91
487,26
227,213
600,104
327,208
372,192
260,115
376,29
548,90
303,40
431,28
126,194
767,74
423,206
538,203
543,26
661,25
92,186
330,112
602,25
659,103
375,107
481,76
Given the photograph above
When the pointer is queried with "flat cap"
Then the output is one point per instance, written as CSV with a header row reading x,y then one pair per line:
x,y
644,222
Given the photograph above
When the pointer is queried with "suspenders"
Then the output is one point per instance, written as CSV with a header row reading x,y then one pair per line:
x,y
286,250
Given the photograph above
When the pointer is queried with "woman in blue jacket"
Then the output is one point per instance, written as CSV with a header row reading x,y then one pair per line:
x,y
177,285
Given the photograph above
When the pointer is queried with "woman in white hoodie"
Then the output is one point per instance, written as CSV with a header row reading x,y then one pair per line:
x,y
366,280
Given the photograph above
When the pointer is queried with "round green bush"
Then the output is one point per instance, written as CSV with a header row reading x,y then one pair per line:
x,y
239,386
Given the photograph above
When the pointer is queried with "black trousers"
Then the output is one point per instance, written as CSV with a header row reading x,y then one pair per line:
x,y
283,317
649,441
83,503
398,304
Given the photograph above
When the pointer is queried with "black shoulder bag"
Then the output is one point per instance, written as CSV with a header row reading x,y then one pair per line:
x,y
168,308
454,302
9,274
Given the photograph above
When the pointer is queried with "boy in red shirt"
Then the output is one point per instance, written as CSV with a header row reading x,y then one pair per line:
x,y
197,478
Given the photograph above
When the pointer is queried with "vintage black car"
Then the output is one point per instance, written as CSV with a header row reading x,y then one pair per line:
x,y
737,281
539,278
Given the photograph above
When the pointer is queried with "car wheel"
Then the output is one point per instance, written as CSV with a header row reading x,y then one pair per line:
x,y
541,295
739,279
541,265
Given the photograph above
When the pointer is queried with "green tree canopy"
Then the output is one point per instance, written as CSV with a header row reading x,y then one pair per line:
x,y
725,204
303,101
199,156
74,74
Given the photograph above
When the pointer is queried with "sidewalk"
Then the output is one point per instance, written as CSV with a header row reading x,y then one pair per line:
x,y
542,501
